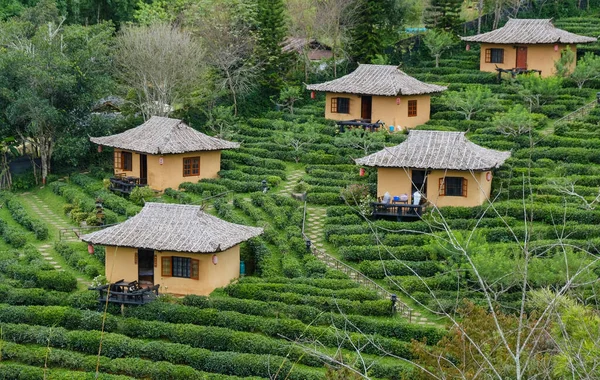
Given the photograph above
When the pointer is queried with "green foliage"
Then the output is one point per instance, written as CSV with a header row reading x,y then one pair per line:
x,y
516,121
437,41
537,91
443,14
588,68
471,101
78,259
270,17
140,195
18,212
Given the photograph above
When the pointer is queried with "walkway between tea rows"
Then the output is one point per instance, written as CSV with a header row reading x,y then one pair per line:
x,y
55,223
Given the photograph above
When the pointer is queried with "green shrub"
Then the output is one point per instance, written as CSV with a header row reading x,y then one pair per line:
x,y
139,195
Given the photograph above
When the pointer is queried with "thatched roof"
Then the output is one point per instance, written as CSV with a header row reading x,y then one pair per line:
x,y
529,31
174,227
163,135
385,80
436,150
315,49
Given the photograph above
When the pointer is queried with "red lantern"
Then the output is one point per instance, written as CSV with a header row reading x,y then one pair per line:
x,y
468,47
90,249
488,176
215,259
361,172
99,148
398,101
312,94
556,47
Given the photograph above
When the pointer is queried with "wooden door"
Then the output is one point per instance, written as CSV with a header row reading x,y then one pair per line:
x,y
366,106
521,57
145,267
143,169
419,181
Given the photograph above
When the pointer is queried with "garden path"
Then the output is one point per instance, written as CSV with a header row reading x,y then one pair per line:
x,y
314,230
48,216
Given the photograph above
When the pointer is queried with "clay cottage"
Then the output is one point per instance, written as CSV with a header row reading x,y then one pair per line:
x,y
162,153
382,93
180,247
525,44
445,167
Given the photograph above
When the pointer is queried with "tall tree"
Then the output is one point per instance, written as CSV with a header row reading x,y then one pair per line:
x,y
271,33
437,41
368,36
51,74
224,31
336,18
162,65
443,14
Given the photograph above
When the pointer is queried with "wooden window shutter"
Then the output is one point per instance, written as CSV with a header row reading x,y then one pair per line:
x,y
334,105
195,269
167,266
442,187
488,55
117,159
464,187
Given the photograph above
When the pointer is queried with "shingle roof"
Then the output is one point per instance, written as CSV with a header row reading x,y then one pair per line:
x,y
436,150
385,80
529,31
174,227
163,135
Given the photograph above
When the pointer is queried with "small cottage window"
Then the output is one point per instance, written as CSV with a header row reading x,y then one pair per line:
x,y
123,160
191,166
453,186
127,160
174,266
494,55
412,108
340,105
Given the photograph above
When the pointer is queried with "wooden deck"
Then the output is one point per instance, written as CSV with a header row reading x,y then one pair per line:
x,y
367,125
400,211
126,293
515,71
125,185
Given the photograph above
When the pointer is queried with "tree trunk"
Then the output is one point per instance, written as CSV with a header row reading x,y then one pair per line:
x,y
233,94
479,15
437,60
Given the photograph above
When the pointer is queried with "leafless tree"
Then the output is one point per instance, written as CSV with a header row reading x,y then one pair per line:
x,y
228,43
334,19
161,63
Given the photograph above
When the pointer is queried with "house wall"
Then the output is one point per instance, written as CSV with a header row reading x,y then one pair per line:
x,y
120,264
397,181
170,173
354,107
384,108
478,188
539,57
135,164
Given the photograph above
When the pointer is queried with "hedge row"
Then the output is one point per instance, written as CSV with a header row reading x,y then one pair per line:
x,y
203,188
18,212
180,196
117,369
12,235
360,253
250,160
246,289
79,260
381,269
379,307
12,371
82,205
110,200
119,346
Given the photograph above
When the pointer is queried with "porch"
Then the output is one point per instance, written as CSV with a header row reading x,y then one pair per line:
x,y
515,71
365,124
126,184
401,211
126,293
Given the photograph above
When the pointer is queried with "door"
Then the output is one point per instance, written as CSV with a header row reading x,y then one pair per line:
x,y
366,105
521,57
143,169
419,181
145,267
